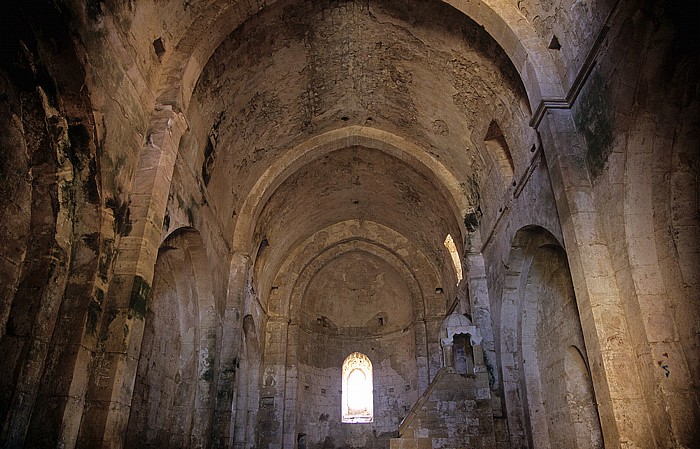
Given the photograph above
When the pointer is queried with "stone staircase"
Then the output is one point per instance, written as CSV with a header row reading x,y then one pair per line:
x,y
455,411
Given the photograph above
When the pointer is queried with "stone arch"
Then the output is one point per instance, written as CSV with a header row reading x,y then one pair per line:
x,y
502,20
419,273
358,396
132,275
538,284
316,348
458,338
661,229
330,141
581,400
178,345
337,250
405,256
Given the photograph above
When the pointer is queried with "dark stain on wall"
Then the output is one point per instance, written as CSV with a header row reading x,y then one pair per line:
x,y
94,312
93,9
595,122
208,164
139,296
120,211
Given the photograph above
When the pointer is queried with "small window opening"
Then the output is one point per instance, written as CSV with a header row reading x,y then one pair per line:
x,y
456,261
357,396
496,145
159,48
554,43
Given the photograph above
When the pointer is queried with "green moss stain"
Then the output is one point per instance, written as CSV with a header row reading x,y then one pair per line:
x,y
208,375
139,297
594,119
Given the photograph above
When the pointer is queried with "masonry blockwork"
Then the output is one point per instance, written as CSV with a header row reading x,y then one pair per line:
x,y
206,207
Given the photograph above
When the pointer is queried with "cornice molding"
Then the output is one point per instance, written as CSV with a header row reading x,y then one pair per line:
x,y
584,72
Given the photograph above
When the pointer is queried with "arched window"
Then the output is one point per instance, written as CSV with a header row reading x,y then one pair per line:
x,y
456,262
358,400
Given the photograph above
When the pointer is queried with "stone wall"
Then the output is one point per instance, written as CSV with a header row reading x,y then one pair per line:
x,y
551,335
454,412
640,153
251,144
319,388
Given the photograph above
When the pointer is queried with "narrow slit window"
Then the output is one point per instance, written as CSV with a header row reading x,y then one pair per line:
x,y
456,261
358,399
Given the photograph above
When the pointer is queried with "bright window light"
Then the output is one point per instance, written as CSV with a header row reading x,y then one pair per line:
x,y
450,245
358,400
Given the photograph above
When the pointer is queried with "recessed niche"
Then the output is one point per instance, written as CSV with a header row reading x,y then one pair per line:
x,y
159,47
554,43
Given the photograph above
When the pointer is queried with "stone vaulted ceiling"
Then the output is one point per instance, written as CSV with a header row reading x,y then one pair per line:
x,y
400,93
207,205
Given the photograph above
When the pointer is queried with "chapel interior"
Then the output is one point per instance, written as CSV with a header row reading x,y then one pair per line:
x,y
336,224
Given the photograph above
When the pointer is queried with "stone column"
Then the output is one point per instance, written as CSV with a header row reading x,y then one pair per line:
x,y
447,354
240,402
223,422
111,382
432,325
271,410
480,302
36,329
290,387
420,331
623,413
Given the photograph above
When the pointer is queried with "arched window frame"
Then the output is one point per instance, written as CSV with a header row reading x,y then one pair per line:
x,y
365,414
454,254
